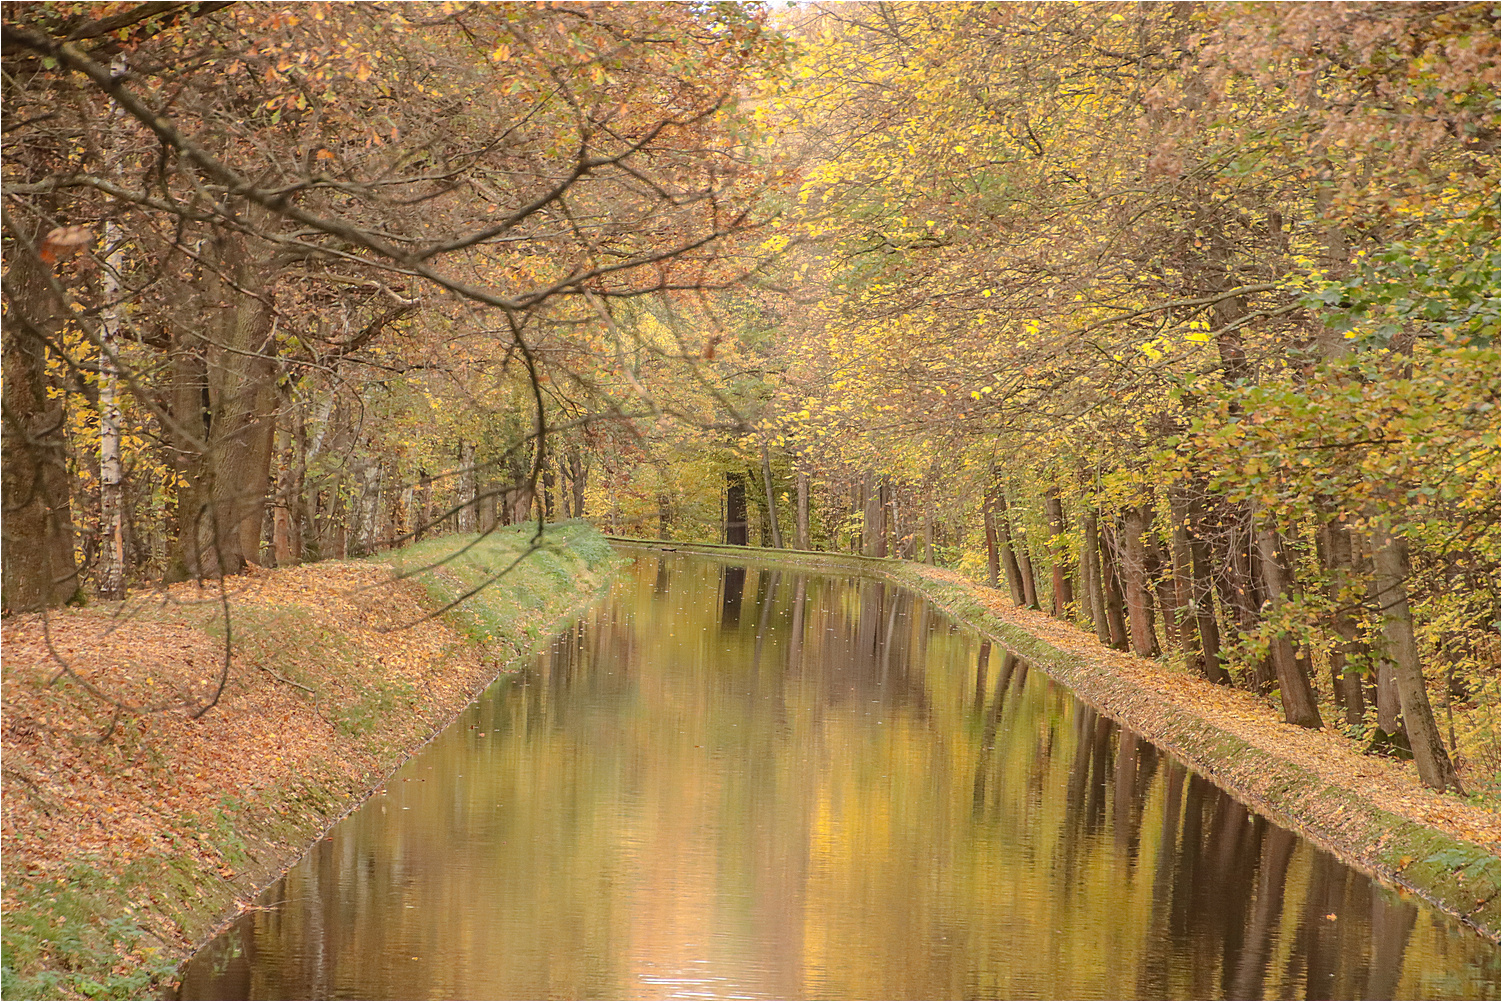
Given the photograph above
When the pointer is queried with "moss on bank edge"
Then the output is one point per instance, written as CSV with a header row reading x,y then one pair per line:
x,y
1459,877
123,855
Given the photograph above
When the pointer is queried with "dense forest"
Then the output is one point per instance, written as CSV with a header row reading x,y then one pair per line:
x,y
1178,321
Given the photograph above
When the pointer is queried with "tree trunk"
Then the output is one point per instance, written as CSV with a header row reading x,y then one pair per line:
x,y
111,577
1243,596
259,484
424,504
928,530
1063,588
993,552
1115,604
1134,571
771,496
1082,572
1183,605
735,509
468,500
1336,556
285,499
1299,704
1161,587
1016,544
549,490
38,569
369,510
804,542
1390,573
579,480
999,542
305,510
1090,557
896,544
112,569
401,516
1385,684
1202,590
873,519
519,504
857,507
233,369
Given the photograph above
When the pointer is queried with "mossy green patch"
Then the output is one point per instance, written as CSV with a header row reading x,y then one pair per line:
x,y
512,577
74,938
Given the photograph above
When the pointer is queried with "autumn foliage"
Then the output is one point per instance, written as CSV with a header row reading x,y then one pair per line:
x,y
1177,321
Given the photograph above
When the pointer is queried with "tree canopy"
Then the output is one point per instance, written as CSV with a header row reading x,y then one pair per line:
x,y
1178,320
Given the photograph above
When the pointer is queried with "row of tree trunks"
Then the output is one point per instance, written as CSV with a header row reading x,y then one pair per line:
x,y
1131,577
888,524
1256,582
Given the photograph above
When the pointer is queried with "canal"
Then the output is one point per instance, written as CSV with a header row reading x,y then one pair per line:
x,y
742,782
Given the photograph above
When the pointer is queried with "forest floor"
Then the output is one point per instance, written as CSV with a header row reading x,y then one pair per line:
x,y
132,827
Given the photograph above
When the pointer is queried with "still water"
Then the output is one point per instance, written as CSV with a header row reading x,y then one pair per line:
x,y
736,782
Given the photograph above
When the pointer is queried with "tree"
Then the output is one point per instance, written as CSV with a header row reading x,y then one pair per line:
x,y
608,160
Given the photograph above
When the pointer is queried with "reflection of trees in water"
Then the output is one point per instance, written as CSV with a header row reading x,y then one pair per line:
x,y
995,788
872,656
992,716
733,582
1219,888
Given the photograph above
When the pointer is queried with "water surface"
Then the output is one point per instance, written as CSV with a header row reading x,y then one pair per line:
x,y
739,782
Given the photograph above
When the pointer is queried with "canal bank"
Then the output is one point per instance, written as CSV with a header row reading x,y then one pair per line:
x,y
1369,812
133,829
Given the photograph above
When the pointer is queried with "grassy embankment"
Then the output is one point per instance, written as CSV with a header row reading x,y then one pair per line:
x,y
1370,812
131,835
